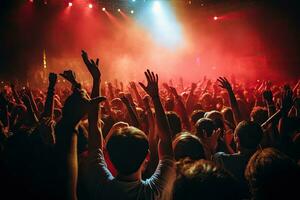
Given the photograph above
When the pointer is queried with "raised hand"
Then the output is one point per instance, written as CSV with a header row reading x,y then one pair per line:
x,y
91,65
82,103
69,75
224,83
132,85
174,91
52,79
152,86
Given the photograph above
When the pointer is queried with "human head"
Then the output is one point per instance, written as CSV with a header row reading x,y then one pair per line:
x,y
259,115
196,115
272,175
186,145
174,122
204,180
204,125
248,135
127,148
217,118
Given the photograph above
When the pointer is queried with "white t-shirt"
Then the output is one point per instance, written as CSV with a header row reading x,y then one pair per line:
x,y
104,186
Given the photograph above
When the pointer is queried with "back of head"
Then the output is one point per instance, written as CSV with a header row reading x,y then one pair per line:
x,y
249,134
186,145
196,115
204,180
272,175
127,148
259,115
228,116
204,125
217,118
174,122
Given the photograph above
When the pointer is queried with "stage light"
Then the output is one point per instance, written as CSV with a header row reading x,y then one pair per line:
x,y
133,0
31,1
215,18
119,10
156,7
70,4
90,5
131,11
103,9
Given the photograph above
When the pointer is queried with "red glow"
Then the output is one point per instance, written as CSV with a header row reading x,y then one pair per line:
x,y
31,1
90,5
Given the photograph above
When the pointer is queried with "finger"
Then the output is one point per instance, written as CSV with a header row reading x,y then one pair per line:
x,y
143,86
153,76
156,78
93,62
97,61
147,76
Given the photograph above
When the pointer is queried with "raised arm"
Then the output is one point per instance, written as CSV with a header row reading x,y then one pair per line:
x,y
131,113
49,103
95,138
15,94
224,83
164,133
137,94
181,110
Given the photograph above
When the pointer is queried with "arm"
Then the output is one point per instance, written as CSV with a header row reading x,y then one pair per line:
x,y
137,94
182,111
15,94
49,103
132,114
164,133
95,138
33,103
224,83
191,99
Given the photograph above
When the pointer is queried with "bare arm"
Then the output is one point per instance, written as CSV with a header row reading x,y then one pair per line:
x,y
164,133
95,140
49,103
224,83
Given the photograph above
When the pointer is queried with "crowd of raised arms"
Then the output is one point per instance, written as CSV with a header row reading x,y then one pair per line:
x,y
215,139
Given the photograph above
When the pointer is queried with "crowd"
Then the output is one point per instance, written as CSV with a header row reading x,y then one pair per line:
x,y
207,140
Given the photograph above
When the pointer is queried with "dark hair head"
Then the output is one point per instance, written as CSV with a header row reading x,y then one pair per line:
x,y
204,180
186,145
174,122
204,125
217,118
272,175
196,115
127,148
259,115
249,134
228,115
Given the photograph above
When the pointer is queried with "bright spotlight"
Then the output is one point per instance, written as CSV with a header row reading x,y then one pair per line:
x,y
156,7
216,18
103,9
119,10
133,0
90,5
31,1
131,11
70,4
